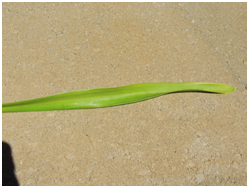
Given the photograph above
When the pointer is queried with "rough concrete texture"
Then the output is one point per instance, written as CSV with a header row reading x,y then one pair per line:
x,y
177,139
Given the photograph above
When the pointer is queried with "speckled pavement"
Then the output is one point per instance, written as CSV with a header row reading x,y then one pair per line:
x,y
176,139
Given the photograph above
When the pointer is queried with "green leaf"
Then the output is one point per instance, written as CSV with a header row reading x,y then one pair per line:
x,y
104,97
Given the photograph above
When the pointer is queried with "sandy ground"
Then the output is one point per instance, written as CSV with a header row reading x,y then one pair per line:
x,y
176,139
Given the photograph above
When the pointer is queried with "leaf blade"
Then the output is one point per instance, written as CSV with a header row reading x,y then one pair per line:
x,y
105,97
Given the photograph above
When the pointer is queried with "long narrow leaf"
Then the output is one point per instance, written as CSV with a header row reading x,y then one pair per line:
x,y
104,97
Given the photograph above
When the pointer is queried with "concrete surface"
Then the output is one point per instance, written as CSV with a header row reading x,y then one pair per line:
x,y
176,139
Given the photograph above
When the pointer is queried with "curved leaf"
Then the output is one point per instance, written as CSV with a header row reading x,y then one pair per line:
x,y
104,97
